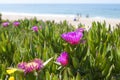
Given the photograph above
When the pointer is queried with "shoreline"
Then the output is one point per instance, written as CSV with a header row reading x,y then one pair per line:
x,y
58,18
56,15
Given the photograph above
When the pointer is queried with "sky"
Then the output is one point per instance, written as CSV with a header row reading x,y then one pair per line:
x,y
59,1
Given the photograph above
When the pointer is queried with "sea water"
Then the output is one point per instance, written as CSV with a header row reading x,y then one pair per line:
x,y
83,10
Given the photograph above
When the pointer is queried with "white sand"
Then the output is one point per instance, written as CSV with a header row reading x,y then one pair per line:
x,y
57,18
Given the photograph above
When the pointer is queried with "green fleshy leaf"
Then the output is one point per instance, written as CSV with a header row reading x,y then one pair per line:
x,y
45,63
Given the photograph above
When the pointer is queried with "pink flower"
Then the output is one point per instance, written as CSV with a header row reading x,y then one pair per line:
x,y
34,65
72,37
5,24
31,66
39,62
80,30
16,23
63,58
22,65
35,28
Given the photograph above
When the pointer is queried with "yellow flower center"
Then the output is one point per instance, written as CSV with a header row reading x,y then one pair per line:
x,y
11,78
10,71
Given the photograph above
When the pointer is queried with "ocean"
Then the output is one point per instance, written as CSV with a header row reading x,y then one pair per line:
x,y
84,10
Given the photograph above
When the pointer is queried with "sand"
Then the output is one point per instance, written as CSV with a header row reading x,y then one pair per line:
x,y
58,18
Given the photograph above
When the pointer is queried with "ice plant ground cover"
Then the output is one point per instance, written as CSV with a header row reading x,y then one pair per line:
x,y
58,51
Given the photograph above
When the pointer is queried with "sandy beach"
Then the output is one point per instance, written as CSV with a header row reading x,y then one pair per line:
x,y
57,18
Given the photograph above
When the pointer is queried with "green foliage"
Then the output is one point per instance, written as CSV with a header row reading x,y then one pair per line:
x,y
98,58
0,18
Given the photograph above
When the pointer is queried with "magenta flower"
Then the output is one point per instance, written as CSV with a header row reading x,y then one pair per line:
x,y
39,62
35,28
5,24
72,37
34,65
22,65
16,23
80,30
63,58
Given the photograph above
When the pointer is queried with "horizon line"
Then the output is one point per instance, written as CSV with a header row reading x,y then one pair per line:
x,y
59,3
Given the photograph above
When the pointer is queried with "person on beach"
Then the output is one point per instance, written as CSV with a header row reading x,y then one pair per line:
x,y
77,17
87,16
